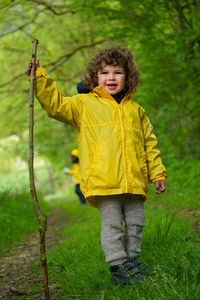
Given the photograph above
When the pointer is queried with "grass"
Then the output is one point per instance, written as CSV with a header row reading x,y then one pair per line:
x,y
182,185
169,247
17,216
17,219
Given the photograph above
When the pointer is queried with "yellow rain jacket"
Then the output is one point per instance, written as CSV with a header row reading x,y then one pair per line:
x,y
117,148
75,172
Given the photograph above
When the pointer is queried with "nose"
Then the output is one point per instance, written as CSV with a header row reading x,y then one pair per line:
x,y
111,76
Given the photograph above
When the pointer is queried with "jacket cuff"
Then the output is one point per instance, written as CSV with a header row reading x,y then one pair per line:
x,y
159,178
41,72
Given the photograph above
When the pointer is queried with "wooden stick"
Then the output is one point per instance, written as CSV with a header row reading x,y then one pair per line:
x,y
42,219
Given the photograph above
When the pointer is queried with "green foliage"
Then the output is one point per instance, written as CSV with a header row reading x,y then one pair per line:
x,y
163,35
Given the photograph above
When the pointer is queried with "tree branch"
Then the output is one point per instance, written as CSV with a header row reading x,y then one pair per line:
x,y
52,7
65,57
183,21
13,79
7,5
57,62
66,78
24,25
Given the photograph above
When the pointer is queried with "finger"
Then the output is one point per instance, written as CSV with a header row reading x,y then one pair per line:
x,y
158,191
37,63
157,183
29,65
156,186
28,71
162,186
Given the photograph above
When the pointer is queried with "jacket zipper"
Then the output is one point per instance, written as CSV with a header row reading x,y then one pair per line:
x,y
121,117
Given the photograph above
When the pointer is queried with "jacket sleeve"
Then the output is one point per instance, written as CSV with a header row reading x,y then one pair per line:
x,y
65,109
70,172
156,170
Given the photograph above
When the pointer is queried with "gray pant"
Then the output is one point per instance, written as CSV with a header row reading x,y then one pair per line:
x,y
118,241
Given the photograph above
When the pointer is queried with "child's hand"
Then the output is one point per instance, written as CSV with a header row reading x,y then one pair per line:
x,y
30,66
65,170
160,186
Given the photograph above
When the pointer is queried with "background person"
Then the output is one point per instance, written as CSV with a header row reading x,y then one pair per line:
x,y
75,172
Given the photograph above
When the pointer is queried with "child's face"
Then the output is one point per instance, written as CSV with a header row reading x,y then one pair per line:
x,y
112,78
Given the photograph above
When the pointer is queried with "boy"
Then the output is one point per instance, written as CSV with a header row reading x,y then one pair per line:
x,y
117,150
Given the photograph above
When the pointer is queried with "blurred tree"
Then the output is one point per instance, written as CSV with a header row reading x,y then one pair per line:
x,y
65,39
164,35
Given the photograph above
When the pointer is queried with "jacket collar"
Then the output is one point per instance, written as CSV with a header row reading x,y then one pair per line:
x,y
100,91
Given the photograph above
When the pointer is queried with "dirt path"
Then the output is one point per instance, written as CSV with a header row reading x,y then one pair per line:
x,y
15,269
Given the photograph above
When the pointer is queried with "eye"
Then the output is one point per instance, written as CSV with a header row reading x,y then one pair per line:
x,y
104,72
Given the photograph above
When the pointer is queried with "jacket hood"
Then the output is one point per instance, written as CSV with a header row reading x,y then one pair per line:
x,y
83,88
102,92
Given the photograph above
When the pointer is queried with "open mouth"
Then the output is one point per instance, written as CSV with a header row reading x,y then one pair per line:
x,y
111,86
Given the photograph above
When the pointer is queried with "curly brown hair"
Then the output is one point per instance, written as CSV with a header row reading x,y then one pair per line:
x,y
116,56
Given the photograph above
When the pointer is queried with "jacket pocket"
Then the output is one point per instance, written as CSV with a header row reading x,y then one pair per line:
x,y
95,158
143,164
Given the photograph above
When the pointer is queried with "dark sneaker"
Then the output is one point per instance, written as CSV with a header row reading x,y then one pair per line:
x,y
125,274
143,268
